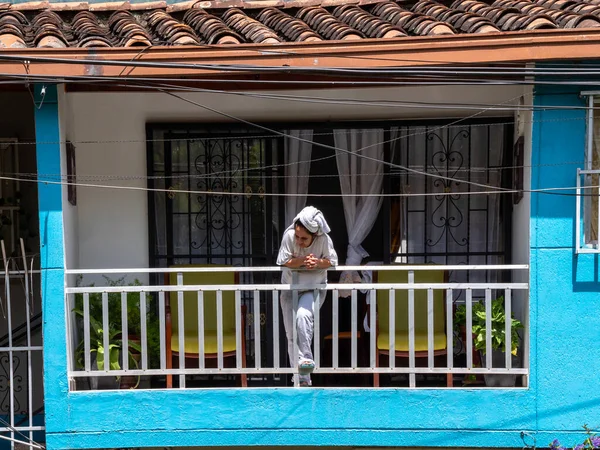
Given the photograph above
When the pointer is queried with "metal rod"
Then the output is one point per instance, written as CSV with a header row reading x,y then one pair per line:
x,y
162,320
488,328
336,330
292,287
294,362
238,330
430,324
354,324
253,371
469,327
276,329
508,327
317,326
143,331
411,329
124,330
373,327
86,331
392,336
201,329
578,222
449,328
219,295
28,325
181,328
407,267
257,353
105,331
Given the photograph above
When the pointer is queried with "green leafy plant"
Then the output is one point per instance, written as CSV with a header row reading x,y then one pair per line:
x,y
115,327
115,344
498,329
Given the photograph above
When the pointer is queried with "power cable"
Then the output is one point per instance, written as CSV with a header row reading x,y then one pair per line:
x,y
550,190
357,152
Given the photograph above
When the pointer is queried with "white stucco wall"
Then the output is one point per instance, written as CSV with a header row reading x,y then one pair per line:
x,y
109,133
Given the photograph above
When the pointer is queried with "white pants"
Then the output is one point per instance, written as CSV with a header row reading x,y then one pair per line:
x,y
305,319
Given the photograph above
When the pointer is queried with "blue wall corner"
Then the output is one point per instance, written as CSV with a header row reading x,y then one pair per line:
x,y
48,154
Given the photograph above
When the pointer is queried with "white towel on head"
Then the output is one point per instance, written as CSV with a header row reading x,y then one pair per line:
x,y
313,220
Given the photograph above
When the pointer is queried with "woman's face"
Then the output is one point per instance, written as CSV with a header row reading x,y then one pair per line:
x,y
303,237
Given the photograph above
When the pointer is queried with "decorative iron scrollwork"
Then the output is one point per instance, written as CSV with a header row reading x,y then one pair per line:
x,y
447,215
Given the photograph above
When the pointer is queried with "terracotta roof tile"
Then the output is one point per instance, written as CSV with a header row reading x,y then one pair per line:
x,y
211,29
222,22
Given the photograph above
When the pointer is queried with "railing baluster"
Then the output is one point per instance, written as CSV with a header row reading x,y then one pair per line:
x,y
392,336
373,327
257,355
579,222
219,296
294,362
276,329
105,331
430,343
411,330
238,329
317,330
488,328
335,325
449,328
201,329
143,331
354,329
508,327
469,327
86,331
124,330
162,320
181,329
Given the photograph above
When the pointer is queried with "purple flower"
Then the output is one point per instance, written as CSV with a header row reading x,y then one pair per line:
x,y
595,440
579,447
555,444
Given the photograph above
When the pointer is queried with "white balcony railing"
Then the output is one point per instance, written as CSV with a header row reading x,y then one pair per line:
x,y
263,316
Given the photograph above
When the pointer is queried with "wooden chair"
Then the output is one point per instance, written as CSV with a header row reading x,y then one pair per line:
x,y
401,318
190,300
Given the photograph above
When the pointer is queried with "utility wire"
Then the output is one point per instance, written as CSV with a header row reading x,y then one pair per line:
x,y
550,190
418,69
357,152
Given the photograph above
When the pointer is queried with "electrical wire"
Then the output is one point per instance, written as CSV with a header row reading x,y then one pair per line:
x,y
17,431
356,152
549,190
419,69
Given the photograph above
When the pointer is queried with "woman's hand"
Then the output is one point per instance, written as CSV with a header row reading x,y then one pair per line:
x,y
312,262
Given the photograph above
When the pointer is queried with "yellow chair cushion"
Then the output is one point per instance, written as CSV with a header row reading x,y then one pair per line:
x,y
439,341
210,342
190,300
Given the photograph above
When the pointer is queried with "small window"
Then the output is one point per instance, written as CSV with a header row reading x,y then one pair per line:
x,y
588,180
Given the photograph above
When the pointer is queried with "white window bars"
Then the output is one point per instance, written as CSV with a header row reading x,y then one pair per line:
x,y
587,209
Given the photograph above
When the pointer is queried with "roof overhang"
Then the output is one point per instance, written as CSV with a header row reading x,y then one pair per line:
x,y
516,48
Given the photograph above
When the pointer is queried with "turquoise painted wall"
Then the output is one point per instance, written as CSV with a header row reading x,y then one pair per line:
x,y
563,393
566,288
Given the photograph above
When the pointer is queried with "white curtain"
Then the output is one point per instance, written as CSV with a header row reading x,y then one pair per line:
x,y
359,175
297,168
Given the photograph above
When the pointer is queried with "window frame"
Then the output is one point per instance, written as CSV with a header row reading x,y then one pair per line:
x,y
583,203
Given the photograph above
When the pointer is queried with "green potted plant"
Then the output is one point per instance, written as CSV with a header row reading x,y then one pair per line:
x,y
115,348
498,335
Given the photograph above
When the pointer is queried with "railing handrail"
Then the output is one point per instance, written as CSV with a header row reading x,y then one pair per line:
x,y
403,267
291,287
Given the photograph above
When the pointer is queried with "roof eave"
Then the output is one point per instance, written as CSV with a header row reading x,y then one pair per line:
x,y
508,47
